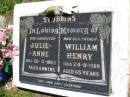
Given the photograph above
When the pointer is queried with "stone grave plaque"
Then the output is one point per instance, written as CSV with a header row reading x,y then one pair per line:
x,y
67,52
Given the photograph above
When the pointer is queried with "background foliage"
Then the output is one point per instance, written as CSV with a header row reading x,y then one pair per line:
x,y
7,6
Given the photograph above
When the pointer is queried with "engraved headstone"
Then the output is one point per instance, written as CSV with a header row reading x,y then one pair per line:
x,y
69,52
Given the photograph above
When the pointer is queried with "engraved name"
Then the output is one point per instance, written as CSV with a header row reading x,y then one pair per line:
x,y
60,19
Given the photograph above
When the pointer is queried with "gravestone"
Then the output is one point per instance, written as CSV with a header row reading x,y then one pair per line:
x,y
69,52
72,55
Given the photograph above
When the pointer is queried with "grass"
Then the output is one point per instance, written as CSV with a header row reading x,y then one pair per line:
x,y
7,6
15,92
